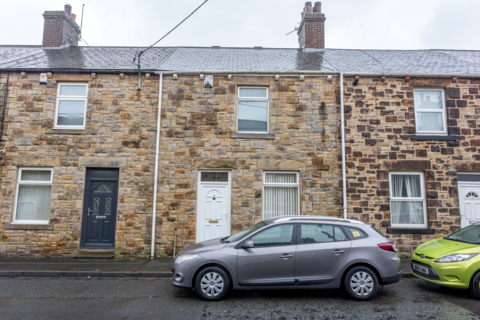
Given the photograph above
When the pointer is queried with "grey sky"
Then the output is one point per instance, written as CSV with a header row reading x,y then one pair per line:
x,y
362,24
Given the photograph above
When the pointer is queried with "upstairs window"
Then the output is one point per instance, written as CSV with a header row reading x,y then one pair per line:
x,y
253,111
430,114
71,106
407,200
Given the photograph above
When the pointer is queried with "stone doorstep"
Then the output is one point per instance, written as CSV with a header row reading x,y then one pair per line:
x,y
95,254
94,257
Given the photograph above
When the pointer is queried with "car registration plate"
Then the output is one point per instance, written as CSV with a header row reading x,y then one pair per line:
x,y
421,269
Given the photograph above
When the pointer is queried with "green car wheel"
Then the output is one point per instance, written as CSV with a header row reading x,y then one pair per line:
x,y
476,285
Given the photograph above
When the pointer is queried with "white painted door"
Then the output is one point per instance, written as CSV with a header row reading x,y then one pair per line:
x,y
469,195
213,205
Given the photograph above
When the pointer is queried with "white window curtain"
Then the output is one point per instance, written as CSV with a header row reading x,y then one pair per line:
x,y
406,187
280,195
33,200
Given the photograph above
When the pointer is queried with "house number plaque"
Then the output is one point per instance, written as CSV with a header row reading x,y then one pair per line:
x,y
101,217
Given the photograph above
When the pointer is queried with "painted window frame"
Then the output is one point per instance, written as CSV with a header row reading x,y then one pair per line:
x,y
254,99
20,182
444,114
271,184
423,199
70,98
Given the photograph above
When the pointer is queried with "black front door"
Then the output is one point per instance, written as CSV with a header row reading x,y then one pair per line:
x,y
100,208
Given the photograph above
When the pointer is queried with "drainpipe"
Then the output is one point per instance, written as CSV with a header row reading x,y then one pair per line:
x,y
344,169
157,153
5,94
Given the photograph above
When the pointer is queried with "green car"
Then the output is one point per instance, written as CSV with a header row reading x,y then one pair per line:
x,y
453,261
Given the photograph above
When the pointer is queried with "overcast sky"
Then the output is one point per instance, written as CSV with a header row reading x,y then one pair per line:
x,y
362,24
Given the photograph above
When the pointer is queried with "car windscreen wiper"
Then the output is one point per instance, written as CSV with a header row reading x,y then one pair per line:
x,y
223,240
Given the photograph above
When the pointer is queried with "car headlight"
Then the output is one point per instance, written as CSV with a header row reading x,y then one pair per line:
x,y
185,257
456,257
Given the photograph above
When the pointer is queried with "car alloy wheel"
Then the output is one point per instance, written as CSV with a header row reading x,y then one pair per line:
x,y
212,284
361,283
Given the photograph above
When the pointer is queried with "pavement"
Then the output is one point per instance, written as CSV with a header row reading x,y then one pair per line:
x,y
155,298
15,267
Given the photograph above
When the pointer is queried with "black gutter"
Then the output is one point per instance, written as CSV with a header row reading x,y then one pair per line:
x,y
76,71
4,105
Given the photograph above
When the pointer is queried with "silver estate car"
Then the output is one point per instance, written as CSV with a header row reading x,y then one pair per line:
x,y
301,252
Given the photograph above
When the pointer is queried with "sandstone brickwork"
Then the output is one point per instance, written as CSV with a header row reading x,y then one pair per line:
x,y
120,132
380,121
197,124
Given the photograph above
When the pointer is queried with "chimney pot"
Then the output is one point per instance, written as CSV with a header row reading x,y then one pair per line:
x,y
318,7
73,16
308,7
68,9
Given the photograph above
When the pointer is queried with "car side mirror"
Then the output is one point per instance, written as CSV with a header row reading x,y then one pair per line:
x,y
248,244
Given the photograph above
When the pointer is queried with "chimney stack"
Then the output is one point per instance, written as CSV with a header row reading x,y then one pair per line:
x,y
311,34
60,28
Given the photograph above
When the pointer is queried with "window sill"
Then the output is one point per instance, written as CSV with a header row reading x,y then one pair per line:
x,y
19,226
410,231
430,137
264,136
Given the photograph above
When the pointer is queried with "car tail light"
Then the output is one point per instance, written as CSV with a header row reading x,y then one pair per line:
x,y
387,247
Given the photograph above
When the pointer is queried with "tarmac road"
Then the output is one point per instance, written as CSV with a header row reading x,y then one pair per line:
x,y
149,298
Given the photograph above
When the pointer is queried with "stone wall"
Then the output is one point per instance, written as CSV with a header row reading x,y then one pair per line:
x,y
197,124
380,121
120,132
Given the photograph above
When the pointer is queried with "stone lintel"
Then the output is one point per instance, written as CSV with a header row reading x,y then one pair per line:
x,y
430,82
466,166
281,165
72,77
216,164
35,161
102,162
408,165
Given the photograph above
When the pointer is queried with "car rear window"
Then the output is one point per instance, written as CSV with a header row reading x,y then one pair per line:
x,y
355,233
379,232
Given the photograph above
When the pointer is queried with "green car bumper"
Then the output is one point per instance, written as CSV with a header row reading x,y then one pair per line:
x,y
453,274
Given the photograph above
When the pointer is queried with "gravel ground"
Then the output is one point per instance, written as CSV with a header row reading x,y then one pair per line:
x,y
146,298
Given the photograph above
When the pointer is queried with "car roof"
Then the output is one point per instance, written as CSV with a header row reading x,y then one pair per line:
x,y
312,218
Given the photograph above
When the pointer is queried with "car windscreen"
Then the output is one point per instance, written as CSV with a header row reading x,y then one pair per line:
x,y
246,232
470,234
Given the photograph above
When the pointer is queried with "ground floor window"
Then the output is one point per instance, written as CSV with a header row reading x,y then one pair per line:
x,y
407,200
34,190
280,194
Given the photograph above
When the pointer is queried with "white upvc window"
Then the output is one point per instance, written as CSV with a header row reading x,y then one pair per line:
x,y
71,106
281,194
407,200
430,111
252,110
34,191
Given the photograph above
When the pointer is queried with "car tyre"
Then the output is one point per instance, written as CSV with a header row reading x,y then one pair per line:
x,y
476,285
361,283
212,284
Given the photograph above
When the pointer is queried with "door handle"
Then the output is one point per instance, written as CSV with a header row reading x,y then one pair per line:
x,y
226,215
286,256
88,211
337,252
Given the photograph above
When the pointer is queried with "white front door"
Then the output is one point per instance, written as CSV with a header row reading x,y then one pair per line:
x,y
469,195
213,205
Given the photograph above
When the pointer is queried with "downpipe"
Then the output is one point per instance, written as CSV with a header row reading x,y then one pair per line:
x,y
344,169
157,154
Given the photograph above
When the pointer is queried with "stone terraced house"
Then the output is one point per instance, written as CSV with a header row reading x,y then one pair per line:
x,y
245,134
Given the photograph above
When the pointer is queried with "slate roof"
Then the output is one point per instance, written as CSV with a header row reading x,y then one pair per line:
x,y
413,62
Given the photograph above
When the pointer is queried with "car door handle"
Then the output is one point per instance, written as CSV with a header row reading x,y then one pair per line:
x,y
337,252
286,256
